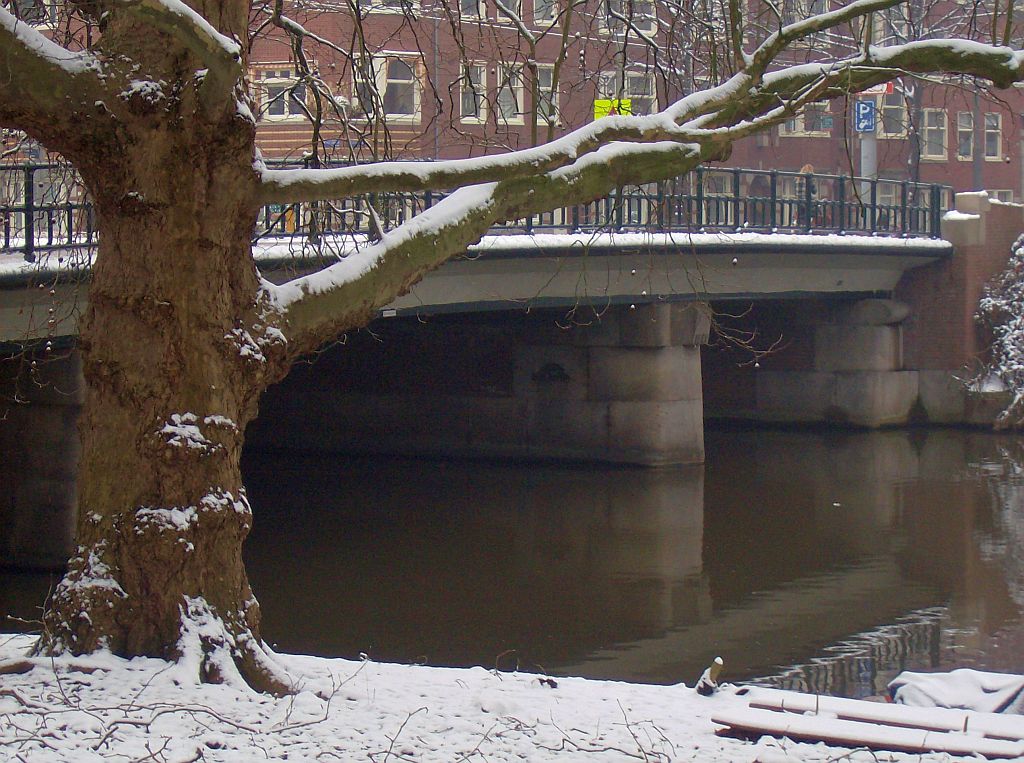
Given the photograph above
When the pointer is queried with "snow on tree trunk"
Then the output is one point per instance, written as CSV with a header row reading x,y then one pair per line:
x,y
176,349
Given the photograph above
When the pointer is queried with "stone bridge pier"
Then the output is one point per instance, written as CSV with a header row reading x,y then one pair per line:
x,y
39,405
625,387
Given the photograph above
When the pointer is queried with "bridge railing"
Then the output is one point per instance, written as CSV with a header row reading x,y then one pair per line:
x,y
44,207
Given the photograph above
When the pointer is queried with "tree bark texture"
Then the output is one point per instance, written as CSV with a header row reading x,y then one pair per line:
x,y
177,347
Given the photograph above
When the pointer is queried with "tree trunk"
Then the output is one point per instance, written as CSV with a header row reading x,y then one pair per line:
x,y
176,349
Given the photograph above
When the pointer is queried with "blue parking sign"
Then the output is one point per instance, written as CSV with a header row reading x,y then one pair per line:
x,y
864,116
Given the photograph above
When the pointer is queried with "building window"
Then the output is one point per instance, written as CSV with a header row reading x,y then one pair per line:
x,y
509,101
993,136
37,12
798,10
545,11
892,116
891,27
933,137
283,96
1005,196
393,6
505,7
964,135
621,15
473,99
814,120
547,96
387,86
471,9
635,87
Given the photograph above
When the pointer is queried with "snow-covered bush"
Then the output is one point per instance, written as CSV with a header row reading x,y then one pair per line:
x,y
1001,311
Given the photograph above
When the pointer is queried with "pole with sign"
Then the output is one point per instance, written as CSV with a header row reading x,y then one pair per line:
x,y
865,119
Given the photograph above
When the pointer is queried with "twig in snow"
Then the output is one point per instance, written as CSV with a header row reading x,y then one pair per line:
x,y
394,739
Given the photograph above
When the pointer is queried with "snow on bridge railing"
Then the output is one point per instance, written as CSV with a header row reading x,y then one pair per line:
x,y
44,207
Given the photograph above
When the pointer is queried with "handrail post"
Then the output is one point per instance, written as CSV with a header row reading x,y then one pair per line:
x,y
30,213
773,200
660,201
903,208
936,211
873,214
841,199
808,201
700,197
736,199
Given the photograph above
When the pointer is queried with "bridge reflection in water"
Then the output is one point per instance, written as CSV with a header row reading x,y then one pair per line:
x,y
811,560
845,557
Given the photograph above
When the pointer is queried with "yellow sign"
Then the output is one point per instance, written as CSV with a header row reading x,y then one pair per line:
x,y
604,107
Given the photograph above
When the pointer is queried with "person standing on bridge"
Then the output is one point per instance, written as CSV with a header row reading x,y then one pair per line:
x,y
808,190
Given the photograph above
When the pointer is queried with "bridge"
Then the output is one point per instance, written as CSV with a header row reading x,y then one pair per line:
x,y
582,333
713,234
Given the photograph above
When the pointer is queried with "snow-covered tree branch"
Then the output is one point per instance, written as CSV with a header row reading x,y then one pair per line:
x,y
45,87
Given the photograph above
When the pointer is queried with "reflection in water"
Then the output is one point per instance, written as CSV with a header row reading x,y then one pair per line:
x,y
819,561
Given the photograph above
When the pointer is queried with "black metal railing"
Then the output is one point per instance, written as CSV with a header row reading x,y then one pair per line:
x,y
43,207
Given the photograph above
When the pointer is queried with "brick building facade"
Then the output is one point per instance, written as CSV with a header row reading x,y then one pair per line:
x,y
452,78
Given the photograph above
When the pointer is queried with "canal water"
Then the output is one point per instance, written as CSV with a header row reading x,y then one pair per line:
x,y
821,561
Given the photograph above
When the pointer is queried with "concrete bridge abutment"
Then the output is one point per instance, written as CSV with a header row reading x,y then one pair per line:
x,y
858,375
623,388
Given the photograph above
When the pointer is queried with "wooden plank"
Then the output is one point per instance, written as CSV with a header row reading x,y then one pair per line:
x,y
992,725
846,733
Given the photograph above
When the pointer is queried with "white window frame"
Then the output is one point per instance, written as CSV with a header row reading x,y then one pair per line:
x,y
265,83
927,143
890,28
964,132
1001,194
515,6
548,112
609,87
480,91
393,7
49,15
796,126
993,133
472,9
379,64
509,76
646,22
883,108
545,20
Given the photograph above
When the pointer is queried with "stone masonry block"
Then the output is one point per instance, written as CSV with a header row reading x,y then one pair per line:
x,y
857,348
657,433
555,371
645,325
875,398
794,395
873,312
691,323
642,373
577,427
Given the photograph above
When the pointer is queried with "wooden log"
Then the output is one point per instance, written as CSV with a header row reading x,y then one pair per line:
x,y
845,733
992,725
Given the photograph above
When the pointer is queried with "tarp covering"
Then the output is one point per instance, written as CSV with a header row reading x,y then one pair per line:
x,y
963,689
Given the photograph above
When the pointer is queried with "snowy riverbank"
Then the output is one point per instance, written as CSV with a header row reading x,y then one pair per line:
x,y
108,709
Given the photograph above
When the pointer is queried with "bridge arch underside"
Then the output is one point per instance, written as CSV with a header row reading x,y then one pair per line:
x,y
594,350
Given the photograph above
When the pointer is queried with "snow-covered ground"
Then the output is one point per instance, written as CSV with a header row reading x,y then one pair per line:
x,y
107,709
